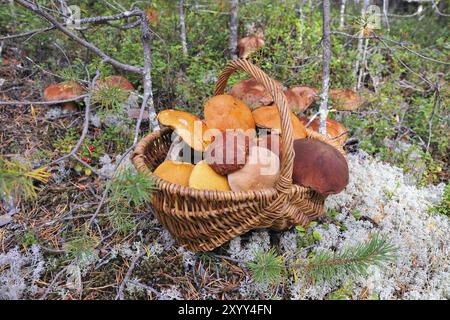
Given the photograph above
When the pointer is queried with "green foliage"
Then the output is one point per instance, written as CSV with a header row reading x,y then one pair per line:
x,y
307,236
134,188
110,99
444,206
16,177
354,261
81,248
267,267
343,293
128,189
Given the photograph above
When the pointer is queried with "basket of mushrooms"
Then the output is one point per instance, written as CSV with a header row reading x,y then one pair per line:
x,y
250,163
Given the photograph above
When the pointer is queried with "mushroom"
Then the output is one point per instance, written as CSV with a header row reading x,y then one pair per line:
x,y
152,16
346,99
224,112
252,93
203,177
64,91
115,82
335,129
319,166
175,172
248,45
189,127
300,98
261,171
228,152
268,117
270,141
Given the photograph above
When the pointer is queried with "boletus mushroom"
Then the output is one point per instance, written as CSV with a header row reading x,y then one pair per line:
x,y
203,177
225,112
252,93
189,127
319,166
228,152
115,82
335,130
345,99
175,172
300,98
248,45
261,171
64,91
269,118
270,141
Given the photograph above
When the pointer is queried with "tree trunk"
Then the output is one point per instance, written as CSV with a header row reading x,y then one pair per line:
x,y
325,67
233,28
360,44
342,15
385,14
183,28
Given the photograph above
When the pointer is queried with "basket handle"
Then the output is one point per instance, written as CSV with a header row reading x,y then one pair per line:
x,y
284,182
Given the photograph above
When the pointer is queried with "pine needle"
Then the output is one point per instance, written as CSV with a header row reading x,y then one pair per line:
x,y
16,177
325,265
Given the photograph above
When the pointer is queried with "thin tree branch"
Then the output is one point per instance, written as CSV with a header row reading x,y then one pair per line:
x,y
36,9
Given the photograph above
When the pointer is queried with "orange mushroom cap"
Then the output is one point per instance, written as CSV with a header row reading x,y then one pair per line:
x,y
346,99
268,117
335,129
115,81
300,98
189,127
224,112
152,16
175,172
248,45
252,93
319,166
63,91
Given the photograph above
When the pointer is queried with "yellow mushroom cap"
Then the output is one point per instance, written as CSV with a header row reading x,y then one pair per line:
x,y
189,127
203,177
175,172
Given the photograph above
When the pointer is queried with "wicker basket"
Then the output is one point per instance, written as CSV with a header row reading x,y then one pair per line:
x,y
201,220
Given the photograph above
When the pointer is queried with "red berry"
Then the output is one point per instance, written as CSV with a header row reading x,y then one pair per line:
x,y
91,148
84,159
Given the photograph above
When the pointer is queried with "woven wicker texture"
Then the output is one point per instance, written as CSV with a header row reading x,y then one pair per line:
x,y
201,220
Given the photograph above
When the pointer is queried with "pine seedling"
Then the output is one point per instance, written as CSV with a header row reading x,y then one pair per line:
x,y
16,177
131,187
267,267
325,265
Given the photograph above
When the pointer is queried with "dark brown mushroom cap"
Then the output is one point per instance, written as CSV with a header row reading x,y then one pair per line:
x,y
319,166
229,152
63,91
300,98
252,93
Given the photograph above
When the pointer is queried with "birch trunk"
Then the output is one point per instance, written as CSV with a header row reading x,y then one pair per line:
x,y
233,28
183,28
325,67
342,15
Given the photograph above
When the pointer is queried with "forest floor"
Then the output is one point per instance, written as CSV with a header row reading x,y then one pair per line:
x,y
45,253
